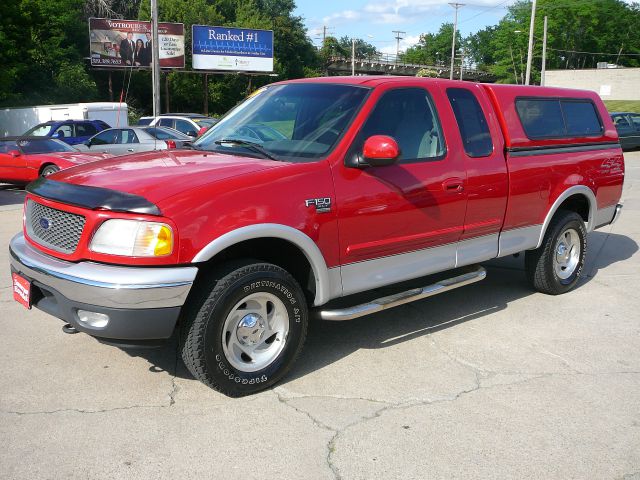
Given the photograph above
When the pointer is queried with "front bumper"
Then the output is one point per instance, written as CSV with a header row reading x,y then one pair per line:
x,y
143,303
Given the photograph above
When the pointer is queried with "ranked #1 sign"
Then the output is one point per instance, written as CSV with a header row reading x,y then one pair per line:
x,y
232,49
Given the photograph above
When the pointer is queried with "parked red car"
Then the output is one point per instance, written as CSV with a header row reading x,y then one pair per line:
x,y
373,181
23,159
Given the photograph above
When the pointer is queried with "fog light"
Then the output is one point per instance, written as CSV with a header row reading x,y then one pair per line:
x,y
93,319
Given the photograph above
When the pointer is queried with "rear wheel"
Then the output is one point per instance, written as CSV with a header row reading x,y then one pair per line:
x,y
244,330
555,267
49,170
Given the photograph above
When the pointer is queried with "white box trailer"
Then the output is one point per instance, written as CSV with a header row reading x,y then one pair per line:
x,y
16,121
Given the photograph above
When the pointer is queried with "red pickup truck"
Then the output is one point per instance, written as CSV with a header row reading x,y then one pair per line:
x,y
307,193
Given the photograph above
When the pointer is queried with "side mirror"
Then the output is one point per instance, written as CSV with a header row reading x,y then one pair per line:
x,y
192,133
380,151
15,153
87,143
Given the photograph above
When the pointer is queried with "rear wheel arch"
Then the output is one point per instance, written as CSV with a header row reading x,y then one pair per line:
x,y
579,199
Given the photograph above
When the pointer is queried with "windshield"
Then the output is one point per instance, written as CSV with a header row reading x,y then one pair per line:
x,y
41,130
297,121
46,145
162,133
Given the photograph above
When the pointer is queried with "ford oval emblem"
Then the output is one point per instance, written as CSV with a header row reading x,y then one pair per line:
x,y
45,223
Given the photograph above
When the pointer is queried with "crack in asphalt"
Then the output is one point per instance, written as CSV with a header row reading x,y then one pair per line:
x,y
78,410
174,385
317,423
480,374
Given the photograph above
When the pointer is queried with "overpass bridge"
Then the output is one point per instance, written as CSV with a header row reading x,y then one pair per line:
x,y
385,64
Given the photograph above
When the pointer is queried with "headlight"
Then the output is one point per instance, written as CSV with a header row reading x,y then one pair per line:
x,y
133,238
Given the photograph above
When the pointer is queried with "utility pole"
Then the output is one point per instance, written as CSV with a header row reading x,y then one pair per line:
x,y
461,62
453,40
515,72
530,51
398,37
155,57
353,56
324,33
544,53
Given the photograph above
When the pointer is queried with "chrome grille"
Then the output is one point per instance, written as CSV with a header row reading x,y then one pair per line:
x,y
53,228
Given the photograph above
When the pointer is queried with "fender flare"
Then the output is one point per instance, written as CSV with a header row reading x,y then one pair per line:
x,y
284,232
570,192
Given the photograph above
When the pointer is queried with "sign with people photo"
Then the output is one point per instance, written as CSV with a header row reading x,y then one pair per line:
x,y
128,43
232,49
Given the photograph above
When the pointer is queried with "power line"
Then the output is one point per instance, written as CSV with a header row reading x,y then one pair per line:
x,y
488,9
594,53
591,53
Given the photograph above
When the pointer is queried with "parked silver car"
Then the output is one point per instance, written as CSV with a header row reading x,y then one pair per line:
x,y
122,141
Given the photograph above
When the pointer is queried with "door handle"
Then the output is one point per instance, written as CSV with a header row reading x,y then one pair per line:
x,y
453,185
129,149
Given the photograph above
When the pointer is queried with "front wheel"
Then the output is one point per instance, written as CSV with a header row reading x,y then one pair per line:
x,y
555,266
49,170
245,329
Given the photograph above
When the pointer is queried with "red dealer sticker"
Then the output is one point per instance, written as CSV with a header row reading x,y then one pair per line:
x,y
22,290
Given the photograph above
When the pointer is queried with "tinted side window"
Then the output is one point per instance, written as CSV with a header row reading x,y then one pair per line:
x,y
581,118
635,118
85,130
6,147
557,118
165,122
621,122
409,117
471,122
128,136
541,118
65,130
185,127
105,138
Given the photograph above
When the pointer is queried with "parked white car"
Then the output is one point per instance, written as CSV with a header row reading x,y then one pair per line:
x,y
192,124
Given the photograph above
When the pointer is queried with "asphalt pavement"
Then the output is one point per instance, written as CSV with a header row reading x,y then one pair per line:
x,y
491,380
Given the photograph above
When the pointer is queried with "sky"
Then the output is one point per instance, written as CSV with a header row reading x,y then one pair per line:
x,y
375,20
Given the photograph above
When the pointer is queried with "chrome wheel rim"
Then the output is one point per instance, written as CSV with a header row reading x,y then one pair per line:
x,y
567,253
255,332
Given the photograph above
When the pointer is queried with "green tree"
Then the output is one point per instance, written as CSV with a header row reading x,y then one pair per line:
x,y
43,44
575,27
433,48
362,48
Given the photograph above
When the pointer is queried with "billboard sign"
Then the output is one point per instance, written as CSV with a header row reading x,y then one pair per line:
x,y
232,49
127,43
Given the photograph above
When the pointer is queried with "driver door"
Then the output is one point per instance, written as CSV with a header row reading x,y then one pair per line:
x,y
401,221
12,168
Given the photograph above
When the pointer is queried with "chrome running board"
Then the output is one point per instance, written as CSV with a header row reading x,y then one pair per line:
x,y
478,273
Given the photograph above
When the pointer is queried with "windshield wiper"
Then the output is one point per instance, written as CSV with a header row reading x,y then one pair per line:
x,y
256,147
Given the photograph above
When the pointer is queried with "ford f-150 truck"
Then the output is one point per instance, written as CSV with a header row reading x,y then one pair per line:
x,y
307,193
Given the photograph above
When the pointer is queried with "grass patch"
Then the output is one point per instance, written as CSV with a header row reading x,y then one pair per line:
x,y
623,105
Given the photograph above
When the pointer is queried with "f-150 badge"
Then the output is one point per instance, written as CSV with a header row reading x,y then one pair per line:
x,y
323,205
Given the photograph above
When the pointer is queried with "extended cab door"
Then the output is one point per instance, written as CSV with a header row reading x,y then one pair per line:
x,y
486,167
401,221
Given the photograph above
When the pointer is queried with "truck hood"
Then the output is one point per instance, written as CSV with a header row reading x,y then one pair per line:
x,y
159,175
